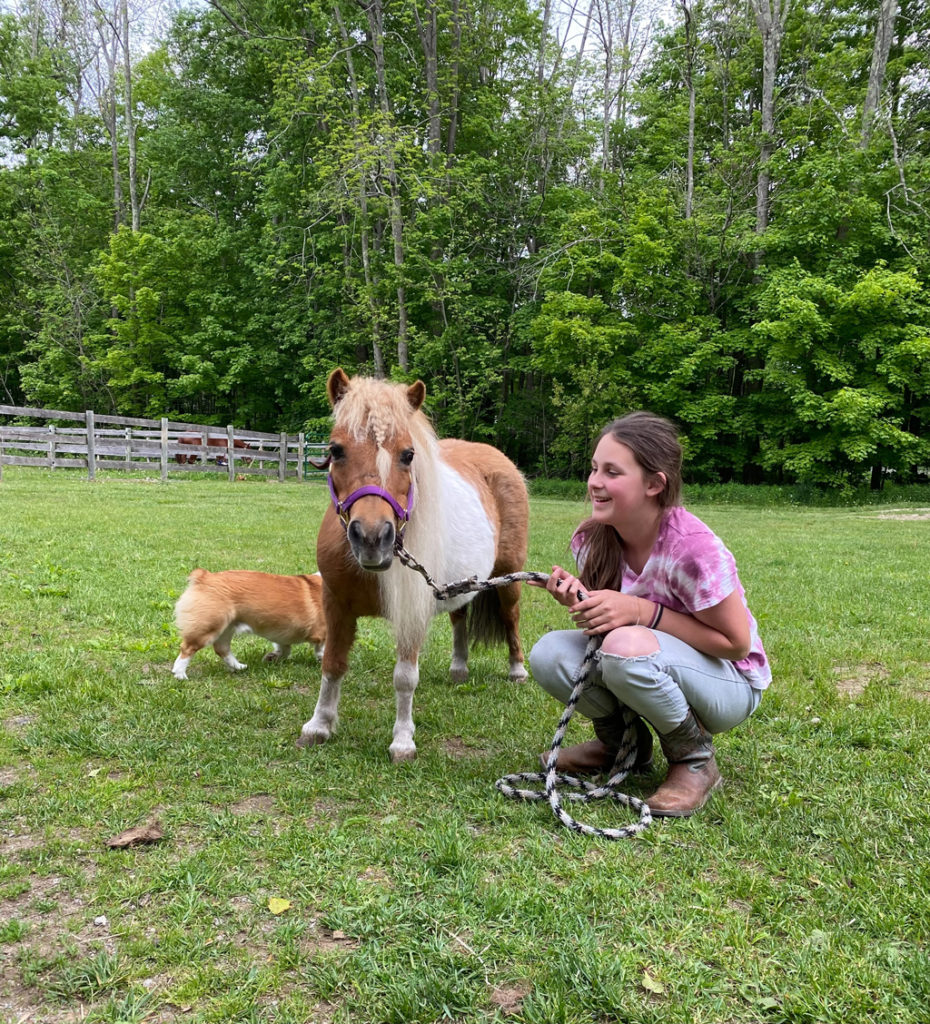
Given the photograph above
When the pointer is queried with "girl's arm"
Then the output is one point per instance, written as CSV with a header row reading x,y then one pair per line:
x,y
721,631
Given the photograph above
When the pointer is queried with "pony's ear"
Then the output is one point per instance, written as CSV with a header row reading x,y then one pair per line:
x,y
415,395
336,386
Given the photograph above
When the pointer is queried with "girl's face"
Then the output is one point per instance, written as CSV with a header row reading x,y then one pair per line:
x,y
618,487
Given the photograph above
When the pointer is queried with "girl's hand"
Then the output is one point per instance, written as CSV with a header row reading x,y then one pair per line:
x,y
605,610
563,586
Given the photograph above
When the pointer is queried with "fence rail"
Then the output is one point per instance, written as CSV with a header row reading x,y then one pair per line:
x,y
103,442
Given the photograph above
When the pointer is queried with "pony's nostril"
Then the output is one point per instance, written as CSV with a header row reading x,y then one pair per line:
x,y
386,535
355,532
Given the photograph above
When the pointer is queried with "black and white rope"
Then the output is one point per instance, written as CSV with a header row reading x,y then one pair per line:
x,y
577,790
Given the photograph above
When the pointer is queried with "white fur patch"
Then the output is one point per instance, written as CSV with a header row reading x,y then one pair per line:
x,y
469,537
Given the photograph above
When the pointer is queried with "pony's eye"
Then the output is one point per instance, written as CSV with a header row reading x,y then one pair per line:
x,y
336,451
406,457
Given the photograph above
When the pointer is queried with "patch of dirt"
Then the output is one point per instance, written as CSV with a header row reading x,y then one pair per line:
x,y
918,513
509,998
324,940
456,747
852,680
261,804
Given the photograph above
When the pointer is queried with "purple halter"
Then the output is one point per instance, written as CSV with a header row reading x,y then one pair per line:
x,y
342,507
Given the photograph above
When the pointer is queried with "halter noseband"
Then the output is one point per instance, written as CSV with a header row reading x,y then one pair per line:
x,y
342,507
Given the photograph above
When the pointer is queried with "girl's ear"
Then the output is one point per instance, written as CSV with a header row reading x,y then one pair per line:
x,y
656,485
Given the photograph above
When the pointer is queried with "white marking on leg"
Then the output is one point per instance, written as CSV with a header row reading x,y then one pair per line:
x,y
232,662
518,671
325,715
180,667
406,677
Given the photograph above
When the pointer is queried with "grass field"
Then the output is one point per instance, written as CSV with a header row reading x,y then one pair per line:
x,y
416,893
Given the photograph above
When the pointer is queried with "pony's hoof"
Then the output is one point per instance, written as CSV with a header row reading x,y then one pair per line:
x,y
312,737
518,673
458,671
402,752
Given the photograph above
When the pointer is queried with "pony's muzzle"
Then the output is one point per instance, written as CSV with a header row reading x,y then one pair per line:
x,y
372,544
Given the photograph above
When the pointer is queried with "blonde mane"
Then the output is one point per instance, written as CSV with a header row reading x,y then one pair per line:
x,y
380,410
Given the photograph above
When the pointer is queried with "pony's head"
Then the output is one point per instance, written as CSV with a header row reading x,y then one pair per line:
x,y
377,426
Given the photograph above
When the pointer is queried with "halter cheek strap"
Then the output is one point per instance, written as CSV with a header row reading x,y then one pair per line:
x,y
342,507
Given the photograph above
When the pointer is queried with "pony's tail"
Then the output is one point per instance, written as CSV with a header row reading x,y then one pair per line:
x,y
485,623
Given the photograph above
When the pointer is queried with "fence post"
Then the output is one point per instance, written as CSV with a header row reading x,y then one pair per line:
x,y
51,446
282,459
128,433
230,449
164,450
91,446
301,455
1,453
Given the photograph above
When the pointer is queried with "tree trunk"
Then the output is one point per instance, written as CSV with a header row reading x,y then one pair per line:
x,y
375,15
364,243
690,61
134,205
770,18
884,31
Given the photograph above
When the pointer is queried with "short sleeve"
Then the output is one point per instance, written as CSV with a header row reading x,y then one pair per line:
x,y
702,571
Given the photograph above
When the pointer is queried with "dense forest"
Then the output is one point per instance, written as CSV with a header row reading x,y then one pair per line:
x,y
550,212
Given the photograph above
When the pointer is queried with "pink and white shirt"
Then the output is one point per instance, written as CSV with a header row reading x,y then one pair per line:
x,y
688,570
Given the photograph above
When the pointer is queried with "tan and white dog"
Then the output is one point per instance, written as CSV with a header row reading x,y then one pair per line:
x,y
286,610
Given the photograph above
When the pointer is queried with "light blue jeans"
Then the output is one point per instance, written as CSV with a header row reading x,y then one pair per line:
x,y
660,687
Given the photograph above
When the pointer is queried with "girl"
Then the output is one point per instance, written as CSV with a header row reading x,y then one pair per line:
x,y
680,646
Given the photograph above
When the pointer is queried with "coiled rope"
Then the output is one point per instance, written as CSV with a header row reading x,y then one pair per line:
x,y
576,790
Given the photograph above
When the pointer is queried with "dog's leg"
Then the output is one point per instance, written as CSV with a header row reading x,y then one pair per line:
x,y
188,650
221,646
281,652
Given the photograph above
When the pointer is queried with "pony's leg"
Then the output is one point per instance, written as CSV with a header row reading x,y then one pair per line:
x,y
340,636
406,677
281,652
459,667
510,615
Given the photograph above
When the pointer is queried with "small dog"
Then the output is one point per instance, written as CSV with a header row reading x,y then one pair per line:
x,y
215,606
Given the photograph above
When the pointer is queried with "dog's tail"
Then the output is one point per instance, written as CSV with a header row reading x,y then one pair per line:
x,y
184,606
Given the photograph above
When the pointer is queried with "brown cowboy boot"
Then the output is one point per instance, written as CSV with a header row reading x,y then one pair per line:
x,y
598,755
692,770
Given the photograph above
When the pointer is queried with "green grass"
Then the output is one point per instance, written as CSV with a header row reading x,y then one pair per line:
x,y
417,893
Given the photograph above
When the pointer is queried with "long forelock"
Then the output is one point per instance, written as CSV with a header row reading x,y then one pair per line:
x,y
378,409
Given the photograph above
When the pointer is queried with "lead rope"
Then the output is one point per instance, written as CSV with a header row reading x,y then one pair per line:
x,y
577,790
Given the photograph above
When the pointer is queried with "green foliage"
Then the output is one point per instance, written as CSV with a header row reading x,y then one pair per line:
x,y
432,192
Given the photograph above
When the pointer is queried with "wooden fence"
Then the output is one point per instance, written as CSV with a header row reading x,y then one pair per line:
x,y
127,443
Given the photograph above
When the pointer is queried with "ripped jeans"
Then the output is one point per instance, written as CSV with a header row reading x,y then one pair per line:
x,y
660,687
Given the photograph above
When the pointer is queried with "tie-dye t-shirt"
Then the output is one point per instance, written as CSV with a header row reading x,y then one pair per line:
x,y
689,570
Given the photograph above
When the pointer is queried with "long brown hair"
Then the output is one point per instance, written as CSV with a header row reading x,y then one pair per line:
x,y
653,440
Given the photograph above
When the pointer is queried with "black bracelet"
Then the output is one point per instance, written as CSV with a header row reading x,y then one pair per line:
x,y
658,615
